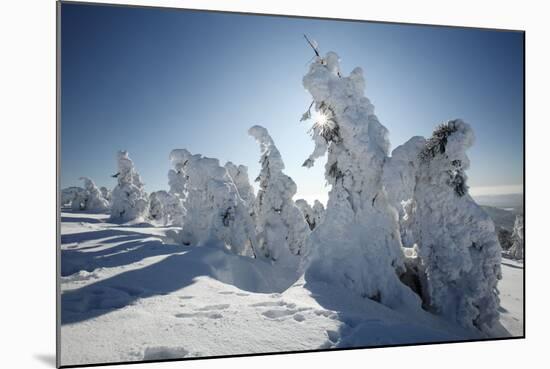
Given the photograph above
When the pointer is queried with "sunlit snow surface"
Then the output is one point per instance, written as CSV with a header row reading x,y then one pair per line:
x,y
131,294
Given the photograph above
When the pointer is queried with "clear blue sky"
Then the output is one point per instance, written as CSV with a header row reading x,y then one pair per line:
x,y
151,80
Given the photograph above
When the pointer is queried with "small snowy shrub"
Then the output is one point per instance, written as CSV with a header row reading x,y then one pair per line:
x,y
128,199
280,225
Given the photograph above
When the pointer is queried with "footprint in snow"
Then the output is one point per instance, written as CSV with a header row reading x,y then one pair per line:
x,y
185,297
214,307
274,303
281,313
199,315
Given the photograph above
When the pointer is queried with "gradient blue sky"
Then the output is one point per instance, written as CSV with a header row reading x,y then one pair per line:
x,y
151,80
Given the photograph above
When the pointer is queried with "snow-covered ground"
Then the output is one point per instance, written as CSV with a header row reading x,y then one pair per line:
x,y
129,293
511,296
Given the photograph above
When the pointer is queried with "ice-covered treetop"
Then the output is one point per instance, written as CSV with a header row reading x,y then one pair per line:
x,y
268,150
344,113
451,138
445,154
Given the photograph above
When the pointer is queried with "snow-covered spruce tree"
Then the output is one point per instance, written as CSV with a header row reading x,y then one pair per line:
x,y
239,175
165,208
307,212
357,245
128,199
280,225
90,199
214,209
457,242
516,251
68,194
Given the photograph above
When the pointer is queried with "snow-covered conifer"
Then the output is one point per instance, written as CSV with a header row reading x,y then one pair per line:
x,y
456,239
68,194
516,251
90,199
214,209
281,227
128,199
165,208
358,244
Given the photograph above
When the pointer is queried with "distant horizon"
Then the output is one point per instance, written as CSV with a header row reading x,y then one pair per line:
x,y
149,81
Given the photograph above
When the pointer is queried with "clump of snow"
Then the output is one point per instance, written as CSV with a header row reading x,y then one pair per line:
x,y
280,226
358,243
516,251
128,200
214,209
90,198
